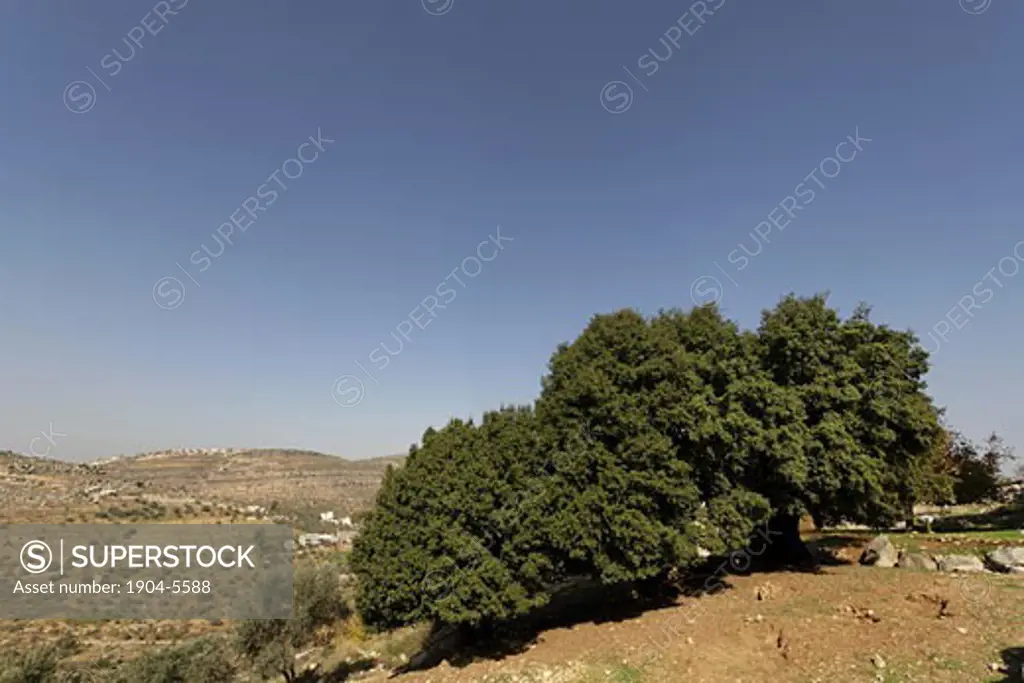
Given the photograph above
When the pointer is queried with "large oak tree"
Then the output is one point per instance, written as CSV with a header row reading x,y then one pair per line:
x,y
654,440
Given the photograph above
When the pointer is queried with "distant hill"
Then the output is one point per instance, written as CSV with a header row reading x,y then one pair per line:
x,y
174,453
11,462
295,480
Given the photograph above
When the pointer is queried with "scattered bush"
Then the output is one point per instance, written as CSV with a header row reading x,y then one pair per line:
x,y
40,663
268,648
203,660
317,603
35,665
317,600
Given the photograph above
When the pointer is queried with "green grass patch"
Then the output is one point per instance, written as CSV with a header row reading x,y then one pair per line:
x,y
996,535
615,673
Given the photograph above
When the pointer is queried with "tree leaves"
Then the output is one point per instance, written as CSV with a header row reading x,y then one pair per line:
x,y
652,441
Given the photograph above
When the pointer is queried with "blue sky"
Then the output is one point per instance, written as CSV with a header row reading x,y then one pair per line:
x,y
449,119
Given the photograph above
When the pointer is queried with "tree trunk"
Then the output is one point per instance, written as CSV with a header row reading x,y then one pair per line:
x,y
785,548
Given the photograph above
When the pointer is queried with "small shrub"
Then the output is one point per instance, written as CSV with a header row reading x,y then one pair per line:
x,y
39,664
317,600
266,645
317,605
204,660
33,666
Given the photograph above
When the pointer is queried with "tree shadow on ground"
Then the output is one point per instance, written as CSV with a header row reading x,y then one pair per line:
x,y
826,549
582,602
835,541
590,602
1013,665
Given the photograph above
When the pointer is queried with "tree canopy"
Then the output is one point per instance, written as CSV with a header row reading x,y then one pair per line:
x,y
450,538
653,441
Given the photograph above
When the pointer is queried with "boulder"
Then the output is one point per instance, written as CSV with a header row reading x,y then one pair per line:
x,y
880,552
919,561
1005,559
960,563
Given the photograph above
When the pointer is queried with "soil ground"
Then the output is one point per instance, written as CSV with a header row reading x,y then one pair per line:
x,y
848,623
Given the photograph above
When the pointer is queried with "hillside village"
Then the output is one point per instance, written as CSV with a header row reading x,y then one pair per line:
x,y
214,485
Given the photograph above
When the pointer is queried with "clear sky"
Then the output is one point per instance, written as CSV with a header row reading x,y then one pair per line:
x,y
434,123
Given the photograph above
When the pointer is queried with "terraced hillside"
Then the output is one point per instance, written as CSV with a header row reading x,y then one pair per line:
x,y
290,481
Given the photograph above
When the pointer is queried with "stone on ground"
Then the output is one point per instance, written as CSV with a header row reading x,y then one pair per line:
x,y
1005,559
919,561
960,563
880,552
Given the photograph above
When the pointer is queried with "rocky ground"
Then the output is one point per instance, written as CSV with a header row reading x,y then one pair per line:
x,y
847,624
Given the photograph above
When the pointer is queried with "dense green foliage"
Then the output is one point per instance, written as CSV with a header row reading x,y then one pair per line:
x,y
653,440
870,423
452,537
935,475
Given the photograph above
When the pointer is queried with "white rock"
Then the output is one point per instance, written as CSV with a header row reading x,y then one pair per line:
x,y
960,563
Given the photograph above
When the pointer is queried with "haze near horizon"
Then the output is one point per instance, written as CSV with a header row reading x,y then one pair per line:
x,y
328,227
